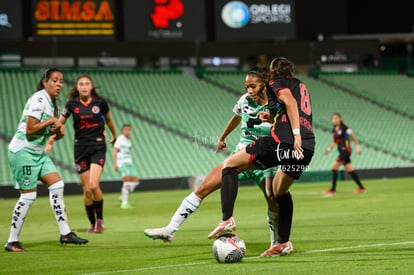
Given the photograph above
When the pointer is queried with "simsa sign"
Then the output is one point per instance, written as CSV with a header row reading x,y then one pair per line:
x,y
164,20
92,18
254,19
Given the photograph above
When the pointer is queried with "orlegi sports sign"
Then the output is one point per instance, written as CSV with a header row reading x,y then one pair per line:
x,y
254,19
90,18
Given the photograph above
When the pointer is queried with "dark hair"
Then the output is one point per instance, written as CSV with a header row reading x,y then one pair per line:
x,y
74,91
340,117
281,66
260,72
126,125
46,76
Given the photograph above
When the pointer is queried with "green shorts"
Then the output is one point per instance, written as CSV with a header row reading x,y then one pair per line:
x,y
128,170
257,175
27,167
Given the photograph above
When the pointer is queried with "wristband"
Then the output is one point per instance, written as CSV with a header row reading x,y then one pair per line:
x,y
51,141
296,131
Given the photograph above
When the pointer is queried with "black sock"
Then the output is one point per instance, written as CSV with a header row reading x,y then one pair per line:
x,y
90,211
355,177
334,179
285,215
98,205
229,188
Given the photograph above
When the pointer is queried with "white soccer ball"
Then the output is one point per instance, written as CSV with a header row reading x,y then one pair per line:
x,y
229,248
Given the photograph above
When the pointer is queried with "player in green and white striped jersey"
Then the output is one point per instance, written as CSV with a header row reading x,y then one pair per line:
x,y
29,162
245,114
122,155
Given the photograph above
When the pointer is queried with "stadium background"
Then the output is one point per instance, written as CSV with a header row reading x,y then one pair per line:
x,y
174,69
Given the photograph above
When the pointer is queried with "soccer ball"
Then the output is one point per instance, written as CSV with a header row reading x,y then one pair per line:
x,y
229,248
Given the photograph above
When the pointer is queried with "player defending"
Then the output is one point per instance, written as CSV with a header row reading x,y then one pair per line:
x,y
245,112
122,155
291,145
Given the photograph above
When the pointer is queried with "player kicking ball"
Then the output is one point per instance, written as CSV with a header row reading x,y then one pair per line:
x,y
245,113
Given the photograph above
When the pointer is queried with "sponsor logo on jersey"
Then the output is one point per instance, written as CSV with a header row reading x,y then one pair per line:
x,y
76,110
95,109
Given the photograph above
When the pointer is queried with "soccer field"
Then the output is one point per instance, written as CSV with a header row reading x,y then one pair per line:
x,y
371,233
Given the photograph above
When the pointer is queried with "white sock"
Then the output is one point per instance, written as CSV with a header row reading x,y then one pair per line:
x,y
131,185
272,220
125,193
58,206
188,206
19,214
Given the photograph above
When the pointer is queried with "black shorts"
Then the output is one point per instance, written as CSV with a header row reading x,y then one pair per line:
x,y
266,153
87,154
344,157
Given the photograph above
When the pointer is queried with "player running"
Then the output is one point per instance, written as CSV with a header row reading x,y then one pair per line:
x,y
245,112
342,134
90,112
29,162
122,155
291,145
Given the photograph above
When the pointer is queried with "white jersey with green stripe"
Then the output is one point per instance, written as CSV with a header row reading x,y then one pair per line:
x,y
251,126
124,155
40,107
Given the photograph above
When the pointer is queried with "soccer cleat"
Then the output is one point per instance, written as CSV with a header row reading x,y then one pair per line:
x,y
329,192
162,233
126,206
72,238
224,227
14,247
360,190
278,250
99,226
91,229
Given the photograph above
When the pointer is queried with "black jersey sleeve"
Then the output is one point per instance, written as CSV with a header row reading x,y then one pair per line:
x,y
104,106
67,110
272,102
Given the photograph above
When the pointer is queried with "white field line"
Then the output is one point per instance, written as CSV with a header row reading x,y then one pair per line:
x,y
248,258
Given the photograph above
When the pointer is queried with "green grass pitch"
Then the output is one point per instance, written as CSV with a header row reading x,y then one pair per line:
x,y
370,233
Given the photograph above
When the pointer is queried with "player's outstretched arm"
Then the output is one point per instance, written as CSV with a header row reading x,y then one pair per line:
x,y
230,126
110,123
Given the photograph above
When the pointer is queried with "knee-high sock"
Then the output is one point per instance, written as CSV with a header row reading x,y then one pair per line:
x,y
98,206
229,188
188,206
131,185
285,215
19,214
58,206
334,179
272,221
355,177
125,193
90,212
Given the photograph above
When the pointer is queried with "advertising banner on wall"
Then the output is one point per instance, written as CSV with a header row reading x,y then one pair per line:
x,y
11,25
254,19
164,20
72,18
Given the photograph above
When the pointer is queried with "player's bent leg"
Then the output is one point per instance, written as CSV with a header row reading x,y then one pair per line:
x,y
281,184
189,205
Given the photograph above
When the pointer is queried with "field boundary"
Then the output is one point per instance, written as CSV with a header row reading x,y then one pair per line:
x,y
333,249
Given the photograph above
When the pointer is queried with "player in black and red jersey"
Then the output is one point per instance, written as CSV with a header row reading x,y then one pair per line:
x,y
291,146
90,112
342,136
